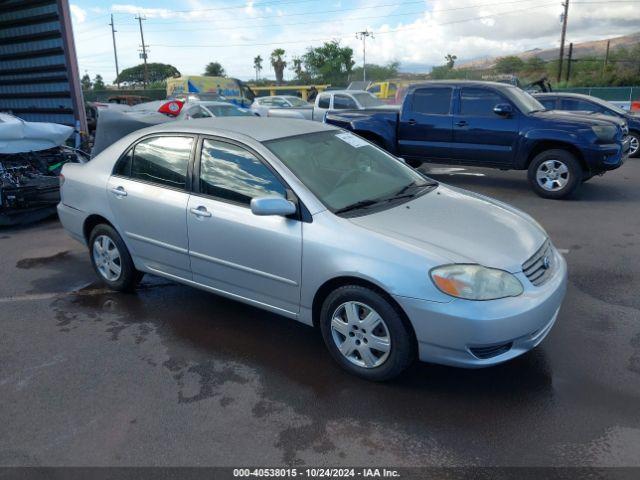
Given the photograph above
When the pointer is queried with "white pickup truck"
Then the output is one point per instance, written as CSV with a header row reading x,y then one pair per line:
x,y
330,100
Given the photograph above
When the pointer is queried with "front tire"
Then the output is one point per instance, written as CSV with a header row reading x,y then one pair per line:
x,y
365,334
111,259
634,144
555,174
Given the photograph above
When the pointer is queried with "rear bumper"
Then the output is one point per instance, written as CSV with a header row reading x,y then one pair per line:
x,y
602,158
473,334
72,220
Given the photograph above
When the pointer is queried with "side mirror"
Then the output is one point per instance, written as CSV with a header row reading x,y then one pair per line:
x,y
401,159
272,206
503,109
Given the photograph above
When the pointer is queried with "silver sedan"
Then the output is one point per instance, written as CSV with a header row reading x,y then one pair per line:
x,y
316,224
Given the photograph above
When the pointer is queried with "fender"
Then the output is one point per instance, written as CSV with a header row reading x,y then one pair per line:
x,y
531,137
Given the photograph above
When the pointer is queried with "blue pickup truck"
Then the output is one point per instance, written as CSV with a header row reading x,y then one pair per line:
x,y
489,124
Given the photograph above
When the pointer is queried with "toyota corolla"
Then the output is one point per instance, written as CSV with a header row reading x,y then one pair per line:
x,y
319,225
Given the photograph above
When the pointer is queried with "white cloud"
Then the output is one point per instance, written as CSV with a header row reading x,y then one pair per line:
x,y
79,15
473,29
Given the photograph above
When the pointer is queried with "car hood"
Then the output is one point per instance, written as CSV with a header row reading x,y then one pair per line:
x,y
572,118
461,227
621,122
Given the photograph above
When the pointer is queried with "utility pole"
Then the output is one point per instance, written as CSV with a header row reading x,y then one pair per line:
x,y
569,60
562,36
144,51
606,58
363,36
115,51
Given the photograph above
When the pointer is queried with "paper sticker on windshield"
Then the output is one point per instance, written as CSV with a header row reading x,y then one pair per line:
x,y
352,140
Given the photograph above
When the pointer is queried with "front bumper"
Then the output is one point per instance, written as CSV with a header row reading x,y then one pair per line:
x,y
450,333
602,158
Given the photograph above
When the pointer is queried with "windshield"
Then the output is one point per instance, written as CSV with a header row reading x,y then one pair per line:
x,y
228,111
346,172
367,100
296,102
607,105
523,100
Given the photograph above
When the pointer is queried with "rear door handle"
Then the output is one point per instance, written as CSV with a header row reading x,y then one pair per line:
x,y
462,123
119,191
411,121
200,211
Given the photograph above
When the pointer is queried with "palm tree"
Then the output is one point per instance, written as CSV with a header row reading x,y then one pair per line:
x,y
279,64
257,66
451,60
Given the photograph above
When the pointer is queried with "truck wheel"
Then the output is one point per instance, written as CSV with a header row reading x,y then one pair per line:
x,y
634,144
365,334
555,174
111,259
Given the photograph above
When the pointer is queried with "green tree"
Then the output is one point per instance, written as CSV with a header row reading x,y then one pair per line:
x,y
98,83
279,64
214,69
257,66
509,64
329,63
85,81
377,72
451,60
158,72
298,69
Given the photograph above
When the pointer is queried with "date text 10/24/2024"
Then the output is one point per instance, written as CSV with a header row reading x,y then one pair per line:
x,y
316,472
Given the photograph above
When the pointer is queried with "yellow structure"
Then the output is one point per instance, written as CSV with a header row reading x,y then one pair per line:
x,y
303,89
386,90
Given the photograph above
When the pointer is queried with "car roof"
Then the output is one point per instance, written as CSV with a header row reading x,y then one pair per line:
x,y
210,103
563,94
259,128
462,83
345,91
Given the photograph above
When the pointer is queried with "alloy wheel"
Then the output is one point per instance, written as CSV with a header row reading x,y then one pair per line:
x,y
634,144
552,175
360,334
106,257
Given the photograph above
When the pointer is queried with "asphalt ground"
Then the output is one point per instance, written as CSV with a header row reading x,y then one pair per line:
x,y
176,376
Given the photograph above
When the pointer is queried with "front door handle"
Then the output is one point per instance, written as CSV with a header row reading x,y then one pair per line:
x,y
462,123
411,121
200,211
119,191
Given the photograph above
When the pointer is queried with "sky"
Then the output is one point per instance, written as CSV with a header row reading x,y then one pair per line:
x,y
417,33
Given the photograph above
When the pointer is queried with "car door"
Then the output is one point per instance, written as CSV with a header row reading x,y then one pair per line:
x,y
148,196
480,136
425,125
232,250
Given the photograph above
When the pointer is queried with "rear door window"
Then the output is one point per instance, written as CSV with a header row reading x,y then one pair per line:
x,y
323,101
163,160
432,101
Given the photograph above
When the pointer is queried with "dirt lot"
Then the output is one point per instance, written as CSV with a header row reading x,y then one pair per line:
x,y
176,376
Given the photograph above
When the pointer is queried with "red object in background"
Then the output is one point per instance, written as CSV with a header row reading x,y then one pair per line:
x,y
635,106
171,108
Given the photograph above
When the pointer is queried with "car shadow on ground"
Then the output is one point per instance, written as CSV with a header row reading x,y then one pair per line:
x,y
494,182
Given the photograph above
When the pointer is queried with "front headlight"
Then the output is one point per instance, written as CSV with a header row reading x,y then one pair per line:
x,y
605,133
475,282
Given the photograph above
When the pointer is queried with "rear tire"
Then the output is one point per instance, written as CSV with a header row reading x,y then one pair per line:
x,y
365,334
111,259
555,174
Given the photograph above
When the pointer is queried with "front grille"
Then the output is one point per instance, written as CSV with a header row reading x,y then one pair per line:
x,y
492,351
540,266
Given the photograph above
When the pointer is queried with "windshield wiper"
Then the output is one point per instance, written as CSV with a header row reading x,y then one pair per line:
x,y
357,205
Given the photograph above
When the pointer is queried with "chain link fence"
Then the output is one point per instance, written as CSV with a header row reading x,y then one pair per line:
x,y
612,94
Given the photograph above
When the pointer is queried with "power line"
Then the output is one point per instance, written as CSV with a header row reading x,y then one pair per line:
x,y
344,36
